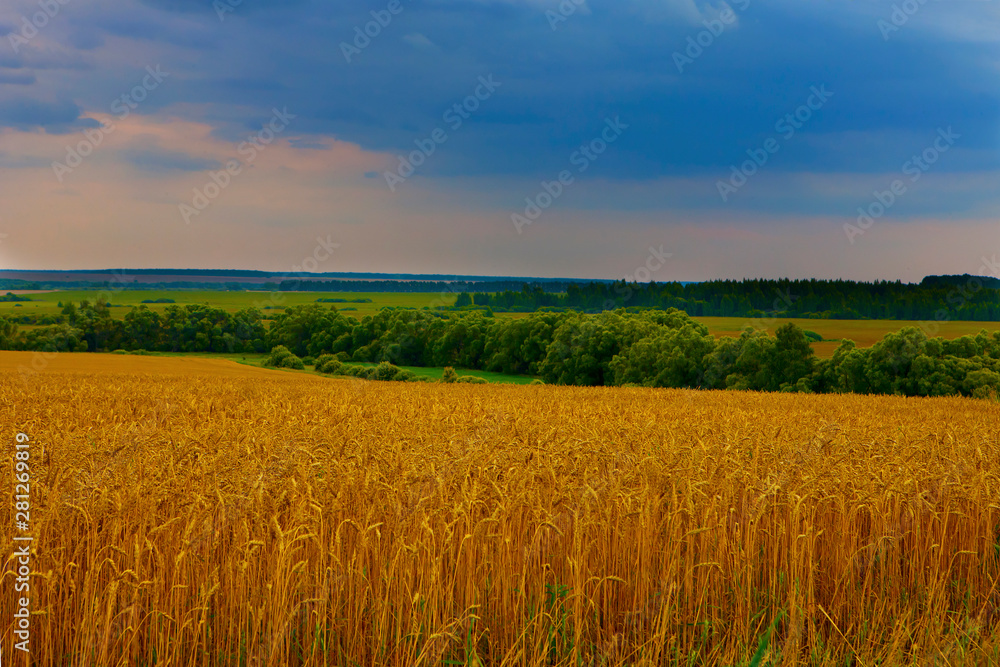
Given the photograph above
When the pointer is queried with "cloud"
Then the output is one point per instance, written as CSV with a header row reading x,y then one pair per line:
x,y
558,86
54,117
418,41
158,160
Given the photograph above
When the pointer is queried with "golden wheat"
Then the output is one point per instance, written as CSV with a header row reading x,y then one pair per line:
x,y
279,519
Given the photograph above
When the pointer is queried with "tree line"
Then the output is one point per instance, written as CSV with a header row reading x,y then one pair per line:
x,y
650,348
938,298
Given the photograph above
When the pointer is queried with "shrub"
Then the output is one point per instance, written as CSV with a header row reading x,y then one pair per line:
x,y
309,361
449,375
471,379
278,353
536,382
812,336
330,364
292,362
385,371
282,357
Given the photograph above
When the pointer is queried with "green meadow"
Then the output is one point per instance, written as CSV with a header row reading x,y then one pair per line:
x,y
47,303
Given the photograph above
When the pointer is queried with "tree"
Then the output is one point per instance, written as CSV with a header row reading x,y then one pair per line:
x,y
142,329
673,358
8,333
793,357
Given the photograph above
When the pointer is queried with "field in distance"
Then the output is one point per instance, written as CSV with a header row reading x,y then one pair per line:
x,y
46,303
863,332
296,520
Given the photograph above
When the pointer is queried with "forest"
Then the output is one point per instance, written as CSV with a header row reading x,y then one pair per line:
x,y
651,348
966,297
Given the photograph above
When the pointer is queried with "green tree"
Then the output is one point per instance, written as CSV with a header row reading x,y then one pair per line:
x,y
793,358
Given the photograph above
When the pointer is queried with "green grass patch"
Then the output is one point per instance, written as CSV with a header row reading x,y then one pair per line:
x,y
255,359
435,373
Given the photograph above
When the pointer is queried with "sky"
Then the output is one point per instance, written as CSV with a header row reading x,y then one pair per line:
x,y
642,139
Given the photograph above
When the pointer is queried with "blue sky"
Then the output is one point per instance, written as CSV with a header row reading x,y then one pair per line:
x,y
694,90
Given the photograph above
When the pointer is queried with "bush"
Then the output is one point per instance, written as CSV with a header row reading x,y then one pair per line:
x,y
329,364
293,362
309,361
536,382
355,371
344,356
282,357
278,354
812,336
385,371
471,379
119,351
449,375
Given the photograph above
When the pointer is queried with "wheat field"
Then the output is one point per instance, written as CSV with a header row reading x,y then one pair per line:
x,y
194,517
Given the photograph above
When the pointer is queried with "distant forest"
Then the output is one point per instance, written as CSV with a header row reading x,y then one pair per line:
x,y
939,298
295,285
